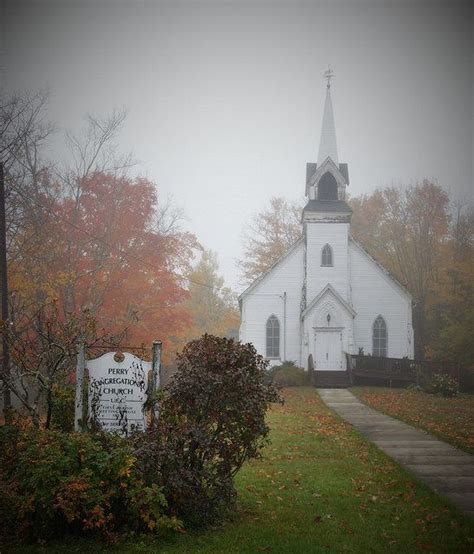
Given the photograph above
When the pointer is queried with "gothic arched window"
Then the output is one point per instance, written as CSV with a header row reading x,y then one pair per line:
x,y
327,187
326,256
379,337
273,337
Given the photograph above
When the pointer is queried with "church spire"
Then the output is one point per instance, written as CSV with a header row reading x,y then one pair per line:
x,y
327,143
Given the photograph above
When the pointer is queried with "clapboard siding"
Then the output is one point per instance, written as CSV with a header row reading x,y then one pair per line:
x,y
266,298
375,293
355,277
336,235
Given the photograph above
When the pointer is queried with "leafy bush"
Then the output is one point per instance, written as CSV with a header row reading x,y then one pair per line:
x,y
415,387
212,420
467,379
62,412
53,483
442,384
288,374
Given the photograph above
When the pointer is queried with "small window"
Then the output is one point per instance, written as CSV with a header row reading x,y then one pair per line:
x,y
379,337
326,256
273,337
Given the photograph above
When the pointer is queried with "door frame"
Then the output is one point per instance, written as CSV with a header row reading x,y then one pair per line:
x,y
315,355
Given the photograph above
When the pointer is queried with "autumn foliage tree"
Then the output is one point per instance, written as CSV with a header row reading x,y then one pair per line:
x,y
116,262
87,237
268,236
406,230
453,299
211,305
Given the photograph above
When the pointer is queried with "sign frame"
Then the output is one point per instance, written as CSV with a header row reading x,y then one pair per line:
x,y
109,387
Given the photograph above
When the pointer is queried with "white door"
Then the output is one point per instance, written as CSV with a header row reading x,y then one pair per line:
x,y
328,350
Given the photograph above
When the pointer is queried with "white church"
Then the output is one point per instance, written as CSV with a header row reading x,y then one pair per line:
x,y
326,296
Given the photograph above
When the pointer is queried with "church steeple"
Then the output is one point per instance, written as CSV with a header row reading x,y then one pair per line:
x,y
327,143
326,181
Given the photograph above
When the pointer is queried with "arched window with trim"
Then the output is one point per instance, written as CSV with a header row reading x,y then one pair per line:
x,y
326,256
273,337
379,337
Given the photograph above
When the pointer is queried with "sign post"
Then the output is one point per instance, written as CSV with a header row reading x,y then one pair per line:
x,y
156,376
81,364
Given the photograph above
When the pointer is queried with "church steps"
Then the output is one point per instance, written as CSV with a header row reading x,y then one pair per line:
x,y
331,379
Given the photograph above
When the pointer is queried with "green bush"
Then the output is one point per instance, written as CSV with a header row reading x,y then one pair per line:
x,y
289,374
467,379
212,419
53,483
442,384
62,412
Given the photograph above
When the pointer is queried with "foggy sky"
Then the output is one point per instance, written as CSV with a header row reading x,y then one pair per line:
x,y
225,98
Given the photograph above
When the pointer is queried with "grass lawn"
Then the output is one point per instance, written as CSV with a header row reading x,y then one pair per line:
x,y
451,419
319,488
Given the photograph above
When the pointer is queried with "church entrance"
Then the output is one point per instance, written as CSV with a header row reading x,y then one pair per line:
x,y
328,348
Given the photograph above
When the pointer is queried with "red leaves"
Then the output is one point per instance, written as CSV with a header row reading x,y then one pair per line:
x,y
106,249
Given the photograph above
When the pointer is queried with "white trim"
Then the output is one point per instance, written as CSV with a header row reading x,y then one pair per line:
x,y
327,165
386,336
279,337
337,296
331,251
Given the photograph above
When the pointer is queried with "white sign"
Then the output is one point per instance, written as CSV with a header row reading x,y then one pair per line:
x,y
117,391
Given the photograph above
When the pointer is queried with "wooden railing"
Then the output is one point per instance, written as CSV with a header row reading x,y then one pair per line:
x,y
363,368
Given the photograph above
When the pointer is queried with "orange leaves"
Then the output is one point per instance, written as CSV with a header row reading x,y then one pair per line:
x,y
108,248
268,236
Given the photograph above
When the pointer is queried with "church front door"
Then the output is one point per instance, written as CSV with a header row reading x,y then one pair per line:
x,y
328,349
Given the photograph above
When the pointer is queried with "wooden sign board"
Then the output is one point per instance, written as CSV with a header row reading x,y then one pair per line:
x,y
117,391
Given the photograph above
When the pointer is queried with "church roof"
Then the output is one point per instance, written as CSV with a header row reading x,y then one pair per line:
x,y
339,206
327,143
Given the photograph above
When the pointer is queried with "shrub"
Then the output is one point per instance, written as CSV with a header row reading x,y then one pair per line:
x,y
442,384
212,420
289,374
54,483
62,412
467,379
415,387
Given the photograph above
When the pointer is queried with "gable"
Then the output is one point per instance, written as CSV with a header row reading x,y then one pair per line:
x,y
328,292
274,269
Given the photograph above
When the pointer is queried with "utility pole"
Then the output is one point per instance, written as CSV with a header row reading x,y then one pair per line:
x,y
7,402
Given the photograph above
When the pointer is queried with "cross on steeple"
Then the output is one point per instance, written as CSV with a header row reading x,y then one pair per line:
x,y
328,74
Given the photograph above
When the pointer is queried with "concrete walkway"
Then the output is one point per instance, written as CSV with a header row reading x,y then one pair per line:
x,y
444,468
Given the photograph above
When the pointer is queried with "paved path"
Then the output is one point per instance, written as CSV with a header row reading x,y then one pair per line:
x,y
447,470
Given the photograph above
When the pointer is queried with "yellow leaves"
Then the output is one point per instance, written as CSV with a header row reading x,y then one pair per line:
x,y
126,470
